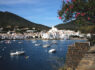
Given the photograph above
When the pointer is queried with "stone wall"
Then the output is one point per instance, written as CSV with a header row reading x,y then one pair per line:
x,y
75,54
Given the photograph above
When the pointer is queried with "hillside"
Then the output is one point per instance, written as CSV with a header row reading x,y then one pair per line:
x,y
11,20
84,26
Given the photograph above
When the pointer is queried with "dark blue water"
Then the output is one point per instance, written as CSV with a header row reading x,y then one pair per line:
x,y
36,57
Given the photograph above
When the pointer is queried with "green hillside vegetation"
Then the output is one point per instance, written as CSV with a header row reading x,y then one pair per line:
x,y
84,26
9,21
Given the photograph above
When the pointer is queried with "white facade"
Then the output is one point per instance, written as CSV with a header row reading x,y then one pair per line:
x,y
54,33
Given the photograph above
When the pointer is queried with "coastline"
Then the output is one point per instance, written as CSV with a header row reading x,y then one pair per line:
x,y
46,39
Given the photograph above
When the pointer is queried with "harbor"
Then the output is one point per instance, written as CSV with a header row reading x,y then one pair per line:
x,y
47,35
34,54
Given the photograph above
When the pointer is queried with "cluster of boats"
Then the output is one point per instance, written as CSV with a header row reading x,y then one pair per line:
x,y
47,45
36,44
21,52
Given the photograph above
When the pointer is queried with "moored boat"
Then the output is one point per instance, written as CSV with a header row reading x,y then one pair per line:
x,y
17,53
47,45
37,44
52,51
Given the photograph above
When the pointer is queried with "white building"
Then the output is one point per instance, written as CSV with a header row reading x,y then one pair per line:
x,y
54,33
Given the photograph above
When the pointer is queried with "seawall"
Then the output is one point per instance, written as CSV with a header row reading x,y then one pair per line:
x,y
75,53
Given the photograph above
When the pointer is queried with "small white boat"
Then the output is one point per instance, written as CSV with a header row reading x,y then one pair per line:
x,y
34,41
52,51
17,53
37,44
19,42
47,45
54,42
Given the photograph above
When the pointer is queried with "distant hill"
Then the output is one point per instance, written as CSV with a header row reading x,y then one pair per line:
x,y
84,26
8,19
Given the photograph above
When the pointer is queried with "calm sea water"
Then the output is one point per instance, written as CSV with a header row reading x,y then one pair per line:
x,y
36,57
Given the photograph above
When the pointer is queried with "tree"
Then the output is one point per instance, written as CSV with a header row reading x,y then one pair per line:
x,y
77,9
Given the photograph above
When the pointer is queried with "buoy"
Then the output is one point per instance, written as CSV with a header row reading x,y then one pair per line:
x,y
26,57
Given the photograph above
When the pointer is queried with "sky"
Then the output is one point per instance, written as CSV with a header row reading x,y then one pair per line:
x,y
38,11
